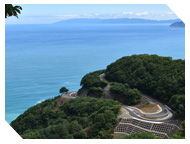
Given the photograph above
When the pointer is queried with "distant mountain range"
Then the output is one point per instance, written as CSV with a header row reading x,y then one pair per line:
x,y
113,21
178,24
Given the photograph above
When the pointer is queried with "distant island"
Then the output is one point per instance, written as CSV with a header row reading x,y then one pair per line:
x,y
113,21
178,24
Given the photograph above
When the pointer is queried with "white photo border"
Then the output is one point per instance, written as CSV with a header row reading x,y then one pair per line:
x,y
8,135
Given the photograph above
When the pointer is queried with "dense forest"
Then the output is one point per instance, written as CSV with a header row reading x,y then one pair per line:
x,y
160,77
93,83
77,118
125,94
89,118
95,86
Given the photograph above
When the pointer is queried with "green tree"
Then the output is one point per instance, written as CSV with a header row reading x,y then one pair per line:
x,y
104,95
177,103
98,91
11,10
93,80
132,96
181,132
123,91
80,135
117,88
63,90
74,127
157,76
78,118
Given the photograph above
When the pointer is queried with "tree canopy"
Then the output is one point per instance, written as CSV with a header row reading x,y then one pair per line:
x,y
11,10
157,76
125,94
77,118
93,80
181,132
177,103
63,90
160,77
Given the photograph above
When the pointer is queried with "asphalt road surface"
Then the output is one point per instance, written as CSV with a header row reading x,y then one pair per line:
x,y
165,114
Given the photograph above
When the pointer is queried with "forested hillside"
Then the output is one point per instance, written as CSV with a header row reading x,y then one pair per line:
x,y
76,118
79,118
160,77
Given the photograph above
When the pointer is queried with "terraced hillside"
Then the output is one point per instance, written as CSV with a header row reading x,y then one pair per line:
x,y
131,125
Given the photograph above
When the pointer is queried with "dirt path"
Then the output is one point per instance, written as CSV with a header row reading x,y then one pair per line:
x,y
64,98
123,113
102,76
106,89
151,108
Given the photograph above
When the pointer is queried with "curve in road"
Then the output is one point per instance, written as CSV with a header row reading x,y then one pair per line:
x,y
164,115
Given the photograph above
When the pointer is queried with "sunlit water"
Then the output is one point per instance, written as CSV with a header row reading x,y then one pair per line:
x,y
40,59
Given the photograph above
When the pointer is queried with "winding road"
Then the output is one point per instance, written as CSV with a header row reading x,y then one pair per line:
x,y
164,115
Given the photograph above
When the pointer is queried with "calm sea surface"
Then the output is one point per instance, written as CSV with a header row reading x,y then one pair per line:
x,y
40,59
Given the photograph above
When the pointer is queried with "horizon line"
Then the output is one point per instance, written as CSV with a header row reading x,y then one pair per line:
x,y
94,18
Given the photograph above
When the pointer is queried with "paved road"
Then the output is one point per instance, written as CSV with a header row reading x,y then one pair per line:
x,y
164,115
71,94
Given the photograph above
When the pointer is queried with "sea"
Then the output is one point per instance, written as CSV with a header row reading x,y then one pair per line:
x,y
42,58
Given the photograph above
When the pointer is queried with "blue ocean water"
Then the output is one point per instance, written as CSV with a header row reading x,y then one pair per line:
x,y
40,59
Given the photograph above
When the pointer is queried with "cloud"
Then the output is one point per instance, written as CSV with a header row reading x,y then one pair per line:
x,y
127,13
135,14
140,14
73,16
104,16
70,16
124,14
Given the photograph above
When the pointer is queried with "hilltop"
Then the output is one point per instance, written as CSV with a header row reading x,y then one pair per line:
x,y
160,77
178,24
94,113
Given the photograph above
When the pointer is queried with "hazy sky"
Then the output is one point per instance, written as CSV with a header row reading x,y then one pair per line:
x,y
49,13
